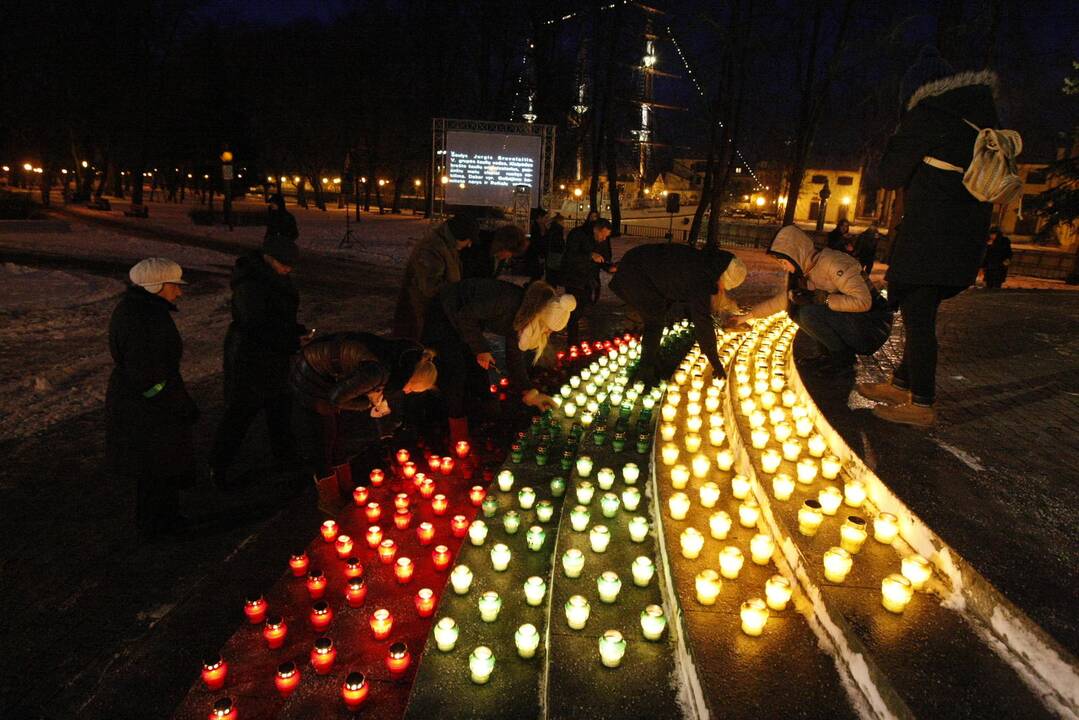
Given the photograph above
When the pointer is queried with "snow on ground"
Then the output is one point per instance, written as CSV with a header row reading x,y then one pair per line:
x,y
26,288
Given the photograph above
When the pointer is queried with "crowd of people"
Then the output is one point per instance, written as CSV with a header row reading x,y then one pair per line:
x,y
454,299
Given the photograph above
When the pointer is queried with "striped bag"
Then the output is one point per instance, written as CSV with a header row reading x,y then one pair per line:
x,y
992,175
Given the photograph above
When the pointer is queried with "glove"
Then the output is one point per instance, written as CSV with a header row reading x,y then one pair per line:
x,y
535,399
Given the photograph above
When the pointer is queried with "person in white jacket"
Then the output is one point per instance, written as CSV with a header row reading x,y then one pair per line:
x,y
830,299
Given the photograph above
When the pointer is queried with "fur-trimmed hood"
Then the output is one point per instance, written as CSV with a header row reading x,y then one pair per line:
x,y
954,82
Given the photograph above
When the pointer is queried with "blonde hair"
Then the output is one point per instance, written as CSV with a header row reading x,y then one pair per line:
x,y
425,374
536,298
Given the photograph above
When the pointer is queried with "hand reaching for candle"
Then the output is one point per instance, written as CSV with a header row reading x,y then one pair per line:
x,y
485,360
534,398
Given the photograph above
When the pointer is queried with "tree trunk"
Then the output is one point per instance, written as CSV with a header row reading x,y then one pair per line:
x,y
316,184
609,127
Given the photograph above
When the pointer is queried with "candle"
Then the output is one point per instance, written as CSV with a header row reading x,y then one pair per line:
x,y
287,678
398,659
630,473
459,526
916,569
356,591
631,499
577,610
321,615
462,448
329,531
678,505
323,655
558,487
387,551
759,438
402,456
642,569
353,567
316,583
354,691
446,632
830,498
830,467
668,412
809,517
854,493
708,586
359,495
792,449
770,460
441,557
461,579
584,466
701,465
754,615
373,536
747,405
885,528
653,622
694,424
837,564
527,640
669,453
343,545
740,487
481,663
788,398
691,542
500,557
638,529
609,505
599,537
782,431
373,512
381,622
807,470
716,436
274,632
817,446
403,570
255,609
476,494
579,517
896,592
852,534
214,671
585,490
298,564
535,588
725,459
505,480
692,442
782,486
439,504
679,477
777,592
803,426
761,547
544,510
719,524
573,562
477,532
748,513
490,604
730,562
768,399
409,470
605,478
716,421
709,494
377,477
612,648
535,538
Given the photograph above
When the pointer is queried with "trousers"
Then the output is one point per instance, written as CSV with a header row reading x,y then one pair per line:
x,y
918,305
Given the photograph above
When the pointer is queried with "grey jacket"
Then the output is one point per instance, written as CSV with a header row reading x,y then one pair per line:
x,y
434,263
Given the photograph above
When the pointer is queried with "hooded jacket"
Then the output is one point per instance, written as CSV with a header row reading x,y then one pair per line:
x,y
835,272
941,238
434,263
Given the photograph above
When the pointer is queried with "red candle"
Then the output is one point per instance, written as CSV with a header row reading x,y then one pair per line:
x,y
316,583
462,448
459,526
441,557
359,495
298,562
377,477
356,591
214,670
402,519
427,488
274,632
329,531
401,501
425,602
409,470
344,546
381,623
476,494
323,655
398,659
224,708
353,567
374,536
354,691
321,615
402,456
418,479
387,551
425,533
373,511
439,504
403,570
447,466
288,678
434,462
255,609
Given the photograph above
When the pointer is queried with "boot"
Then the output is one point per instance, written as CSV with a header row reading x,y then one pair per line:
x,y
329,494
343,473
883,392
459,430
908,413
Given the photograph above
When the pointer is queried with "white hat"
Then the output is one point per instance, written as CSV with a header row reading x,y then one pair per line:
x,y
152,273
734,275
553,317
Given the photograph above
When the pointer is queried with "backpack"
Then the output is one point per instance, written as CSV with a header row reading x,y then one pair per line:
x,y
992,175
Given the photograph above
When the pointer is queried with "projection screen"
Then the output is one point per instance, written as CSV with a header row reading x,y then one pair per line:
x,y
484,167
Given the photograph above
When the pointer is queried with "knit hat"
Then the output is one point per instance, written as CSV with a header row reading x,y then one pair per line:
x,y
553,317
281,249
734,275
928,67
151,274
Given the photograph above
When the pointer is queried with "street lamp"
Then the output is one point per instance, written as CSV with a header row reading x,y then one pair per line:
x,y
577,213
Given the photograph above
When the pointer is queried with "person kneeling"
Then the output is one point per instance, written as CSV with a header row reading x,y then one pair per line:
x,y
830,299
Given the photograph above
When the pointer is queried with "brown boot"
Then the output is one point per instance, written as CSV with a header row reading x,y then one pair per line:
x,y
883,392
907,414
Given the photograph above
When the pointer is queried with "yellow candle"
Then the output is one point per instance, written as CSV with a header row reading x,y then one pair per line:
x,y
709,494
711,404
754,615
916,569
719,524
782,431
853,492
715,420
757,418
809,517
692,543
678,505
724,459
852,534
777,415
837,564
748,513
830,498
692,442
759,437
770,460
830,467
693,424
768,399
701,465
788,398
896,592
716,436
807,470
669,453
761,547
679,477
777,592
792,450
730,562
782,486
693,409
667,431
740,487
817,446
668,412
885,528
803,426
708,586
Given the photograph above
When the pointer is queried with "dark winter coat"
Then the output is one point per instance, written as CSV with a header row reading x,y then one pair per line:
x,y
941,238
667,282
434,263
282,225
336,372
997,253
148,411
264,333
579,270
477,260
483,305
865,249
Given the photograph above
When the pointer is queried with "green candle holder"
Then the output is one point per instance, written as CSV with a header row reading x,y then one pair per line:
x,y
619,441
490,506
517,453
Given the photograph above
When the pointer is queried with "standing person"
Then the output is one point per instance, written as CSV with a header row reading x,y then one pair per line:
x,y
865,248
533,258
461,315
487,257
588,250
259,345
666,282
941,238
840,238
997,256
280,224
556,249
148,412
434,263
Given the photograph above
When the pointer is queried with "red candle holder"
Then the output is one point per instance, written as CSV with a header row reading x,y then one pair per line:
x,y
401,501
427,488
329,531
316,583
298,563
402,456
459,526
402,519
425,602
441,557
447,466
434,462
343,546
440,504
418,479
373,511
274,632
398,659
214,671
462,448
354,691
321,615
409,470
224,708
381,623
377,477
323,655
425,533
359,495
374,536
287,679
356,592
353,567
387,551
255,609
476,495
403,570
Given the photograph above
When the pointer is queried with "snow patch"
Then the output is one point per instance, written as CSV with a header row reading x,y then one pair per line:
x,y
968,459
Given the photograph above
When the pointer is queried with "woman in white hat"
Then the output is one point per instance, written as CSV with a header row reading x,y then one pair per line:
x,y
148,411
